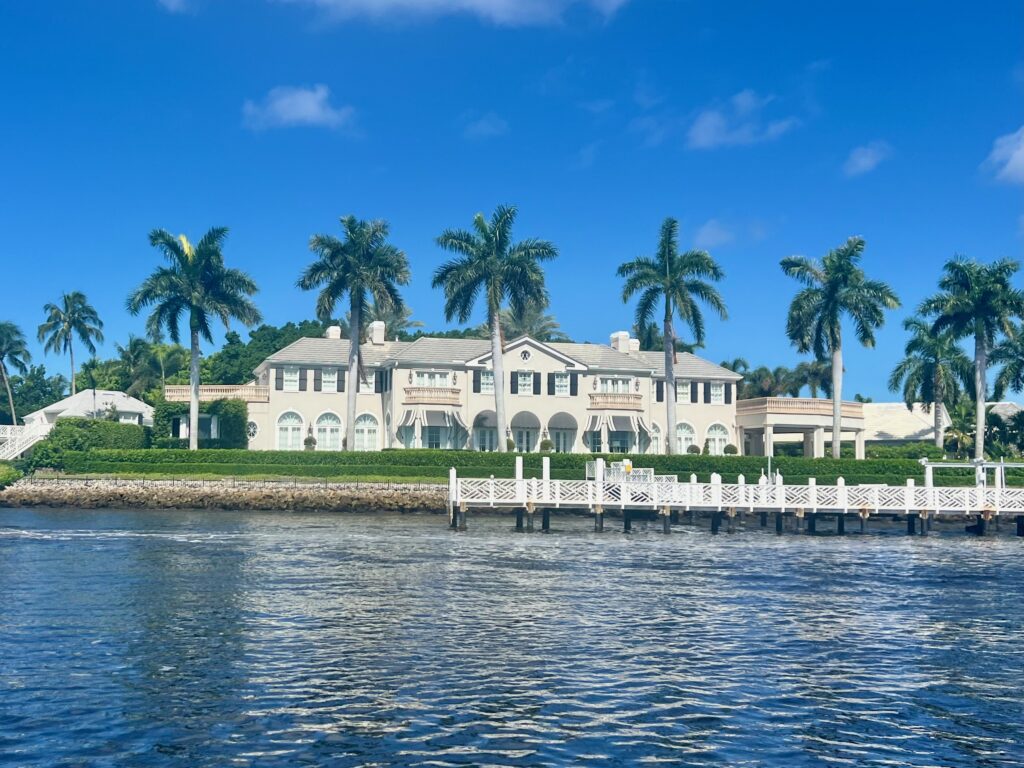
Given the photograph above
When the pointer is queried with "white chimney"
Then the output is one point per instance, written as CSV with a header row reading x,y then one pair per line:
x,y
333,332
377,332
620,341
634,346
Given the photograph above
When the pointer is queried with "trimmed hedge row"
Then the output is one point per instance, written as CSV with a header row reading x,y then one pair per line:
x,y
232,416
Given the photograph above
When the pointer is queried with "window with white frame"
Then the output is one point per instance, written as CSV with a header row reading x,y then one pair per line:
x,y
291,378
329,380
486,438
562,439
289,432
487,383
685,437
431,437
562,384
614,384
431,378
328,432
682,390
717,393
366,433
718,438
594,441
525,380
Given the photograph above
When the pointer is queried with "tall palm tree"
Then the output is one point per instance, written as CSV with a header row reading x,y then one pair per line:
x,y
935,371
140,368
680,281
364,266
816,375
736,365
168,358
194,282
14,355
977,300
534,322
834,287
397,320
1010,355
72,316
488,262
767,382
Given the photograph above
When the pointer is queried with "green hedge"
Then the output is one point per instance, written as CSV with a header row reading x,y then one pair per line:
x,y
432,463
8,475
78,434
233,416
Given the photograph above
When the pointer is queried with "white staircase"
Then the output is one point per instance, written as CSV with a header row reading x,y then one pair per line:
x,y
15,440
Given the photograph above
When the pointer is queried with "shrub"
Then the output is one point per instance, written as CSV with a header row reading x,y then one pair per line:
x,y
8,475
510,444
232,416
79,434
693,450
546,446
309,443
905,451
731,450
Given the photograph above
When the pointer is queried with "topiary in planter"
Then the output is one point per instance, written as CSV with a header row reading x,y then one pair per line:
x,y
730,450
693,450
546,446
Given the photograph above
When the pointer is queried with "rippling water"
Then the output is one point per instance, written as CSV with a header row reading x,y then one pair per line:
x,y
222,639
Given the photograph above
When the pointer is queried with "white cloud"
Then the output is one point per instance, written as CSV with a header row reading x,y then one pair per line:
x,y
588,154
287,106
486,127
737,123
865,158
509,12
1007,157
712,234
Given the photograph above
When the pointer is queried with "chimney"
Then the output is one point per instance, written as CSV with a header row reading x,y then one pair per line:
x,y
333,332
620,341
376,333
634,346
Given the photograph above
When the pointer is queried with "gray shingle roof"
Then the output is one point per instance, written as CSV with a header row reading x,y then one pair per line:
x,y
318,351
429,349
688,366
600,356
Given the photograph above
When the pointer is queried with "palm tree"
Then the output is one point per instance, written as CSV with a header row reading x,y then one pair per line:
x,y
168,358
815,375
397,320
736,365
1010,354
139,365
934,371
679,281
834,287
488,262
977,300
534,322
364,266
767,382
960,436
195,282
14,355
73,316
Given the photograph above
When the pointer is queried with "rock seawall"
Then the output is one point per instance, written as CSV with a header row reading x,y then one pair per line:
x,y
226,494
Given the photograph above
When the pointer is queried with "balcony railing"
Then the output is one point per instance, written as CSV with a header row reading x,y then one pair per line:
x,y
802,406
251,393
433,396
616,401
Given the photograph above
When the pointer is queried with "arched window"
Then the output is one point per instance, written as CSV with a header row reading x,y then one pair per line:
x,y
289,432
654,440
328,432
366,433
685,437
718,438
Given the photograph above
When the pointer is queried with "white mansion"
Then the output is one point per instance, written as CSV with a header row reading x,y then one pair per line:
x,y
609,398
439,393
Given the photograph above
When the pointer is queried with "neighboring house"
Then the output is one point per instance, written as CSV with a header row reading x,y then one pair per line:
x,y
1005,410
94,404
439,393
895,423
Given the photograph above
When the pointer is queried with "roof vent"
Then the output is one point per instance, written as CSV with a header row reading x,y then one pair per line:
x,y
333,332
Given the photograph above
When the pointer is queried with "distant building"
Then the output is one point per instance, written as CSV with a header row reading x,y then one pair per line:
x,y
894,423
94,404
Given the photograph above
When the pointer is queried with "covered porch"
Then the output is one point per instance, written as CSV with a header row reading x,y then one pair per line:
x,y
764,421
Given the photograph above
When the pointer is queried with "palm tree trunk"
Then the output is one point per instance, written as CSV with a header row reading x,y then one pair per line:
x,y
940,396
10,396
980,366
498,364
837,402
193,395
670,382
71,351
354,333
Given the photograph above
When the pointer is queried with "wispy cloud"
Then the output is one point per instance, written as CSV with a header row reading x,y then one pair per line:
x,y
174,6
504,12
1007,157
588,154
866,158
485,127
738,122
713,234
287,106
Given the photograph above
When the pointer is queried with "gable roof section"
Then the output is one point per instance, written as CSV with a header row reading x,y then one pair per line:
x,y
87,402
688,366
525,341
320,351
431,350
894,421
601,357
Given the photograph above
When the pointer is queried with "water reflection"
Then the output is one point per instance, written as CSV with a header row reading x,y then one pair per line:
x,y
215,639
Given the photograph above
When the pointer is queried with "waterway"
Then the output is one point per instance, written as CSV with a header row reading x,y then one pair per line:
x,y
178,638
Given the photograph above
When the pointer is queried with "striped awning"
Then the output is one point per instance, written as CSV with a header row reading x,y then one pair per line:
x,y
621,424
408,418
594,423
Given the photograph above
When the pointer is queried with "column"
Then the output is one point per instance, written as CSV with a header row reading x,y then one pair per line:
x,y
809,444
769,440
819,443
859,437
741,438
604,437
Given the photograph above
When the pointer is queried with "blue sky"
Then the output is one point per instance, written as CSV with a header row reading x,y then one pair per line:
x,y
766,129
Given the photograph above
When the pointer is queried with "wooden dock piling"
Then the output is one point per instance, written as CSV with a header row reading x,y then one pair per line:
x,y
545,520
520,512
599,518
911,523
1020,525
627,521
841,524
778,522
